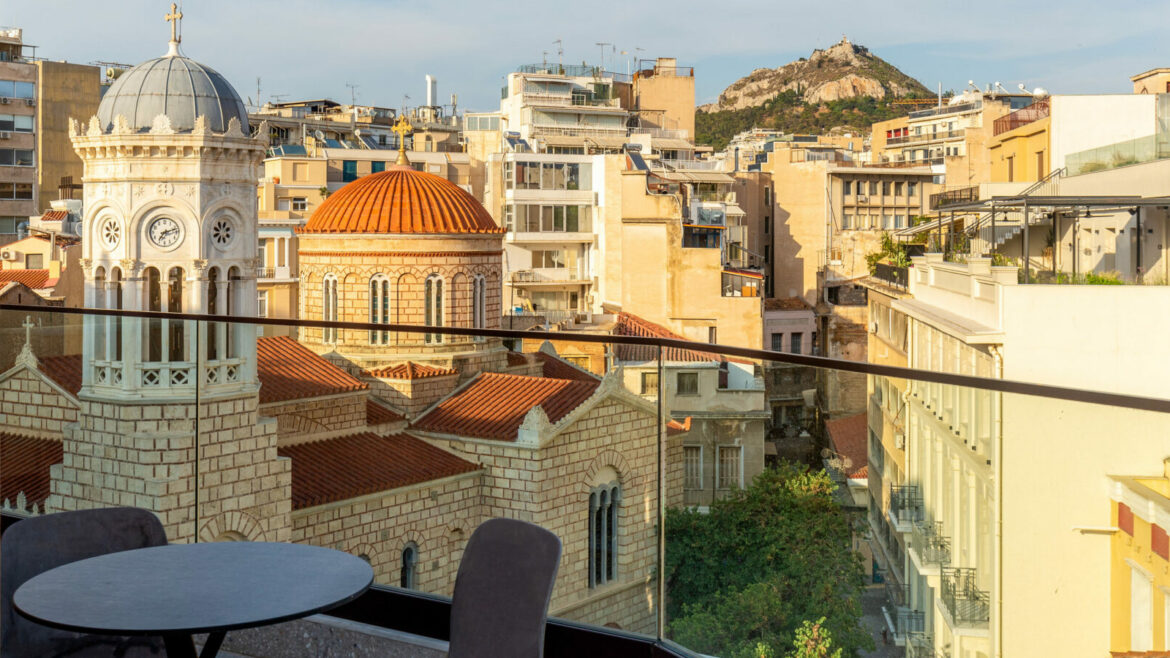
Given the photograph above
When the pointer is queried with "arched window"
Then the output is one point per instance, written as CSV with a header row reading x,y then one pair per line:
x,y
433,306
479,303
175,340
229,308
114,300
604,503
379,308
153,303
213,308
409,566
101,325
329,307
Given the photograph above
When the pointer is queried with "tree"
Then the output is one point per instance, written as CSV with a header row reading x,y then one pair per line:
x,y
813,640
742,578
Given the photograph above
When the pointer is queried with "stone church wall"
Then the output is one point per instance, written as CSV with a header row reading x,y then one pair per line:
x,y
310,417
32,407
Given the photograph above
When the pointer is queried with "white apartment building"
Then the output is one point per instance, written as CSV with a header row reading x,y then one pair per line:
x,y
1003,498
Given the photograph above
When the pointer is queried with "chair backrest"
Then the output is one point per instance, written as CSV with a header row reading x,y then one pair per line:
x,y
35,545
502,590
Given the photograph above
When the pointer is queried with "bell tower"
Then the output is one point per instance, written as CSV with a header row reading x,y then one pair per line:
x,y
170,226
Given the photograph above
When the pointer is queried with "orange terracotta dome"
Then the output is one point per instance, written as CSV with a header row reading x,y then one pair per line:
x,y
401,200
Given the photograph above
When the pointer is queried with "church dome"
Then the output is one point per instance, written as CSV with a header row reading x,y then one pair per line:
x,y
401,200
176,86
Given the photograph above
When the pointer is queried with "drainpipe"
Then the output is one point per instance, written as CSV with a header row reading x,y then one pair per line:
x,y
997,354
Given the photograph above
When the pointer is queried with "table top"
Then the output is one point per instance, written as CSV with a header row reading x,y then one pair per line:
x,y
193,588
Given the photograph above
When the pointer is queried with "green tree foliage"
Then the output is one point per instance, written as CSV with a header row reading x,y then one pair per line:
x,y
788,112
813,640
742,578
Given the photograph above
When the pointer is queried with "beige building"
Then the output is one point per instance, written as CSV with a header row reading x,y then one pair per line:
x,y
37,98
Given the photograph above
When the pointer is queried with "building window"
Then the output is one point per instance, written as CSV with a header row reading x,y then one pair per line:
x,y
767,197
1141,613
730,475
898,188
604,502
433,307
795,345
886,187
846,222
549,259
379,308
408,579
9,223
377,166
479,303
262,304
329,307
649,383
778,342
712,335
300,204
34,261
847,188
911,188
16,157
693,467
688,383
873,187
348,171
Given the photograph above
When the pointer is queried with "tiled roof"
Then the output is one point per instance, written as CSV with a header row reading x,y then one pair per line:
x,y
54,215
786,304
848,437
350,466
674,427
494,405
560,369
36,279
26,466
290,371
632,325
401,200
410,370
65,370
377,414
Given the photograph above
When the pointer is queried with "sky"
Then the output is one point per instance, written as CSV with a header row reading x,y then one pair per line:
x,y
315,48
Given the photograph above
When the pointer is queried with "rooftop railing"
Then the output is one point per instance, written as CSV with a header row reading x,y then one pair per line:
x,y
1021,117
394,441
946,109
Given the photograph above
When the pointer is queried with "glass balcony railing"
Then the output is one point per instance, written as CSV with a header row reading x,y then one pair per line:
x,y
690,526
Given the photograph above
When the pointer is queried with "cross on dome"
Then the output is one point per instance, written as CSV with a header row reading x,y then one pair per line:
x,y
176,38
402,128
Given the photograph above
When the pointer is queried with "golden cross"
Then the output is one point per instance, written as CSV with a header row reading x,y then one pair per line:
x,y
402,128
173,18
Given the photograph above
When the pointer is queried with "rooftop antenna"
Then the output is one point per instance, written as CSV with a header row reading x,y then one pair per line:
x,y
405,97
278,98
544,60
560,54
257,92
602,45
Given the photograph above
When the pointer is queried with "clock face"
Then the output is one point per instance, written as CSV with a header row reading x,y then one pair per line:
x,y
165,232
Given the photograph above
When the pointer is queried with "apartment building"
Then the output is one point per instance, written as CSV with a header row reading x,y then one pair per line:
x,y
952,138
37,99
830,213
986,541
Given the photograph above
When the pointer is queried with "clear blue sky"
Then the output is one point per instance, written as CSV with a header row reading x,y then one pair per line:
x,y
311,49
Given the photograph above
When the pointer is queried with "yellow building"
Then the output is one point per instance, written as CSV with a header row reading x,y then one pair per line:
x,y
1139,563
1020,149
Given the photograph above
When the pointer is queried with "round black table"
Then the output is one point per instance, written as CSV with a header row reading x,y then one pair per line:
x,y
177,590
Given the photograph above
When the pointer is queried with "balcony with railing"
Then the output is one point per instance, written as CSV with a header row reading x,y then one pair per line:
x,y
953,197
930,548
905,507
898,277
1021,117
964,603
947,109
548,276
931,136
337,451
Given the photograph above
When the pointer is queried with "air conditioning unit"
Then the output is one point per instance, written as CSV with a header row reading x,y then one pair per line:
x,y
4,100
4,134
861,198
7,254
900,441
29,102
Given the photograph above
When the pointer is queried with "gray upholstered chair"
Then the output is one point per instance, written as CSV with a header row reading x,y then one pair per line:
x,y
37,544
502,590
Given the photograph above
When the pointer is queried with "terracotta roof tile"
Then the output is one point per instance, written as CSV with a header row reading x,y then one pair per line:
x,y
410,370
786,304
26,466
401,200
350,466
65,370
848,437
35,279
493,405
674,427
54,215
629,324
557,368
290,371
377,414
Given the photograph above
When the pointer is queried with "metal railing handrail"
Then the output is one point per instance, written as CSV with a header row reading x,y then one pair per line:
x,y
998,385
